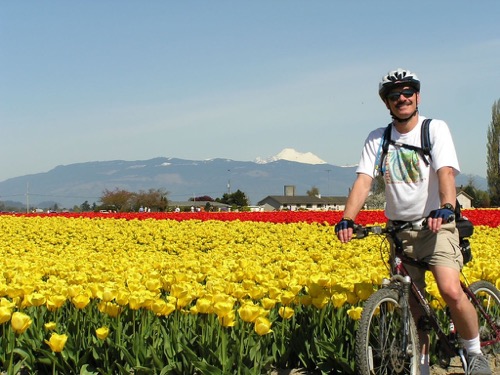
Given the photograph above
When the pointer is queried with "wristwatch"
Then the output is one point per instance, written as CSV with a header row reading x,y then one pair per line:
x,y
449,206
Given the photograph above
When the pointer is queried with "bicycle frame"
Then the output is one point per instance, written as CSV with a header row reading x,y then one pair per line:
x,y
375,351
398,268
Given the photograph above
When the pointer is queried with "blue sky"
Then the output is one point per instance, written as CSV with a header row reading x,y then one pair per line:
x,y
132,80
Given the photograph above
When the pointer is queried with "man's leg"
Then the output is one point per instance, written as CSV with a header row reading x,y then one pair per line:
x,y
464,317
462,311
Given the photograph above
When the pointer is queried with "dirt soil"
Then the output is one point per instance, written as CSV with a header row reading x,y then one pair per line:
x,y
454,369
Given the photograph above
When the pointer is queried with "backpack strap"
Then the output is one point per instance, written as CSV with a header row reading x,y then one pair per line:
x,y
386,140
425,138
425,141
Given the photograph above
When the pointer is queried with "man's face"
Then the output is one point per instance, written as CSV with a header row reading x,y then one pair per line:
x,y
402,101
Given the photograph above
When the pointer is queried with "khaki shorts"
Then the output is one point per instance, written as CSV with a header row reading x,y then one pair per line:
x,y
436,249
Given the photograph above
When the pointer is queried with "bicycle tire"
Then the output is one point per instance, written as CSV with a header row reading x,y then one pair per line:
x,y
378,339
489,296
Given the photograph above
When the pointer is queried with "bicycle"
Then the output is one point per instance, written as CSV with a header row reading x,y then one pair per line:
x,y
387,339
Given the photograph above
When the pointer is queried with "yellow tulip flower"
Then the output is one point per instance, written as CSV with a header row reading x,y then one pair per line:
x,y
36,299
169,309
262,326
50,326
256,292
102,333
249,312
355,313
228,320
109,308
57,342
268,303
80,301
274,292
153,285
135,301
108,294
223,308
55,302
158,306
287,297
320,301
363,290
204,306
352,298
20,322
286,312
5,314
4,302
339,299
122,297
184,301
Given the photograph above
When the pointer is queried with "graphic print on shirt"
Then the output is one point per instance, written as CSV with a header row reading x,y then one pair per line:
x,y
403,166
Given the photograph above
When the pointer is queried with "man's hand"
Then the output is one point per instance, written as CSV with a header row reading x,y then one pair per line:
x,y
438,217
344,229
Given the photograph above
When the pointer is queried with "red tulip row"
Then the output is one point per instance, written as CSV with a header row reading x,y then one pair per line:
x,y
487,217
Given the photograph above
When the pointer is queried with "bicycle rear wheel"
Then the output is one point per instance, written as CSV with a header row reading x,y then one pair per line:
x,y
379,339
489,297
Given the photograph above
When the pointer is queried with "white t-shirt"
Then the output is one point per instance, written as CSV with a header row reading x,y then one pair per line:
x,y
411,187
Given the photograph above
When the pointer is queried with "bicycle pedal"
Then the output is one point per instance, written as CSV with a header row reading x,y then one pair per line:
x,y
462,358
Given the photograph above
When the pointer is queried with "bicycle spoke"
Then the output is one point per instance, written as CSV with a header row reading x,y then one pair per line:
x,y
379,342
489,298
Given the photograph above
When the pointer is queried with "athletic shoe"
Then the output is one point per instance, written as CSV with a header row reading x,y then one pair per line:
x,y
477,364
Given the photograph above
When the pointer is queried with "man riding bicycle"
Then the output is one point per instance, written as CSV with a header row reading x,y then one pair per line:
x,y
417,187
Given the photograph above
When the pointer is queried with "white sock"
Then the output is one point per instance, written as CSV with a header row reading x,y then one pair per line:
x,y
472,346
424,365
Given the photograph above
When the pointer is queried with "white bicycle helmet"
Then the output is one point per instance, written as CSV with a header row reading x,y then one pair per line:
x,y
395,78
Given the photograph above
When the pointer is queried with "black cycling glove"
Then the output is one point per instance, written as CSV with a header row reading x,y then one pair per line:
x,y
444,213
345,223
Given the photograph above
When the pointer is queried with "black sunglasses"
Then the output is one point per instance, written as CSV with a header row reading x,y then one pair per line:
x,y
407,93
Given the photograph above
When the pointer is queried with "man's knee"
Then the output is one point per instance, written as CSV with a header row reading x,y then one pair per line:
x,y
453,295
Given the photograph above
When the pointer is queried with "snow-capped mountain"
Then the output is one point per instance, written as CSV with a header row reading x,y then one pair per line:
x,y
291,154
72,184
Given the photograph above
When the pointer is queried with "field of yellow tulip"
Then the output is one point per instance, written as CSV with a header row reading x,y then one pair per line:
x,y
112,295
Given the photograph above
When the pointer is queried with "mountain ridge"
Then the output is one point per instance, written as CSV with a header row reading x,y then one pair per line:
x,y
73,184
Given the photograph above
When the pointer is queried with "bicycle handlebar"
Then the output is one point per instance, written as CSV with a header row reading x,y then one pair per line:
x,y
361,231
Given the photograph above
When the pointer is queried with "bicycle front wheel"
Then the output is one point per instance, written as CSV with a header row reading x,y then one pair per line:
x,y
489,298
382,347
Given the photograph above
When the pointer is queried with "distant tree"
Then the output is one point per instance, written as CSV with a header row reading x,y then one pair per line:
x,y
493,158
85,207
154,199
480,198
378,185
238,199
314,192
376,200
118,199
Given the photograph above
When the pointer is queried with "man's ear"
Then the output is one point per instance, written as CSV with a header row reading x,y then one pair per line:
x,y
386,101
418,98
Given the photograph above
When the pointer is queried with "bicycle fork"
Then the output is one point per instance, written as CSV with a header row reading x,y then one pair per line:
x,y
404,299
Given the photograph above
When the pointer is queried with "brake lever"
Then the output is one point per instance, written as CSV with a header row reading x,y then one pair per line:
x,y
360,231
